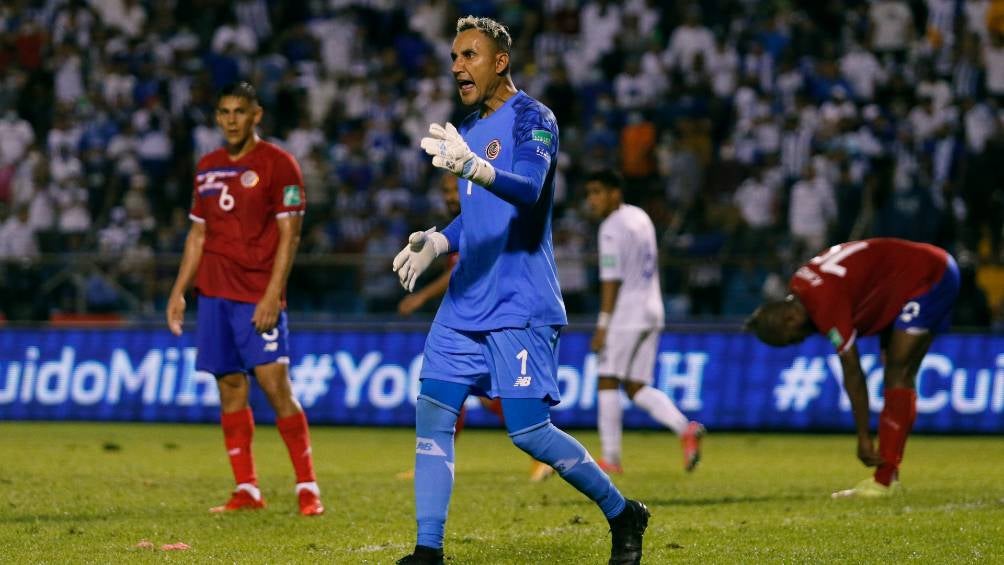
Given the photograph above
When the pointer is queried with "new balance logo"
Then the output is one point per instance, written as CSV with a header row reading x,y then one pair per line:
x,y
523,381
426,446
563,465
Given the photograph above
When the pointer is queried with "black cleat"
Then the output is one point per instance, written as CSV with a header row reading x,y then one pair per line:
x,y
423,556
628,528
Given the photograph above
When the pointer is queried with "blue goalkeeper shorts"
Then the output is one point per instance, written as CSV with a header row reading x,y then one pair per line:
x,y
228,342
506,363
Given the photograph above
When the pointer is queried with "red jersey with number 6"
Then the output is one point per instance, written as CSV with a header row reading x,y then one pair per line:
x,y
239,202
860,287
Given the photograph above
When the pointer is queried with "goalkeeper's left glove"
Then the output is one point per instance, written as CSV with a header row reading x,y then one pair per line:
x,y
449,151
422,249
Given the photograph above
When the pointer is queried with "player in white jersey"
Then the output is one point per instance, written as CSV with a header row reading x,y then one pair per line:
x,y
630,322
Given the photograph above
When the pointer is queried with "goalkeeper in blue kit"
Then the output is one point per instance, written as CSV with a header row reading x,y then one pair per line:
x,y
496,331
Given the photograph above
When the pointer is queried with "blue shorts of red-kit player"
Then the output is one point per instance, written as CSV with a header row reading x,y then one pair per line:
x,y
505,363
228,342
932,311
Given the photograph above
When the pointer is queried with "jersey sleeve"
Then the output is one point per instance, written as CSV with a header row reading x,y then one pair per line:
x,y
535,135
196,213
611,268
288,192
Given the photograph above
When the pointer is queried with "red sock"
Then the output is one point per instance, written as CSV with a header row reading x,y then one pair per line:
x,y
895,424
238,429
296,434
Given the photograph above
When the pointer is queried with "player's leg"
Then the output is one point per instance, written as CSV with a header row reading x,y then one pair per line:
x,y
291,423
903,356
539,471
452,362
237,421
908,343
524,365
436,412
457,428
609,422
529,425
218,355
612,365
268,353
640,374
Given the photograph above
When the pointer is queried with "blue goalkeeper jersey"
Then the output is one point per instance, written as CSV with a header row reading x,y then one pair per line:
x,y
506,277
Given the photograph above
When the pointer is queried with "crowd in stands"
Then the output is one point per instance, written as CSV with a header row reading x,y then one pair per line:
x,y
754,132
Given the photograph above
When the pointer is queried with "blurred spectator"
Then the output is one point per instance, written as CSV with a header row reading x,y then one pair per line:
x,y
689,40
19,252
756,199
302,140
811,212
17,238
380,288
125,16
573,275
16,135
892,26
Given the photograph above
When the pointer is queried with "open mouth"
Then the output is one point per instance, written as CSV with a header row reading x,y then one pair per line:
x,y
465,86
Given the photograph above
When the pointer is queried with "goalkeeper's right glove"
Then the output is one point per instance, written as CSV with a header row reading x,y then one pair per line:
x,y
449,151
423,247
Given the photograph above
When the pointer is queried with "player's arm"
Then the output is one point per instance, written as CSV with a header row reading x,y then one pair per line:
x,y
521,187
608,298
186,275
857,391
266,312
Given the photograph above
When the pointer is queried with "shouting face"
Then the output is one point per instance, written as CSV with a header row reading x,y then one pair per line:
x,y
478,66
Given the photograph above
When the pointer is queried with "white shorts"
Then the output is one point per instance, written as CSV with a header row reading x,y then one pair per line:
x,y
630,355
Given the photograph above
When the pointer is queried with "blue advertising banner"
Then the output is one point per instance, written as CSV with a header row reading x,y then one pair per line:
x,y
725,380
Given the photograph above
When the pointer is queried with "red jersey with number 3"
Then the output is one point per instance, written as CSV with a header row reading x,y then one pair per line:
x,y
858,288
239,202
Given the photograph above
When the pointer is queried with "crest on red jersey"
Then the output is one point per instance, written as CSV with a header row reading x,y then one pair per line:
x,y
249,179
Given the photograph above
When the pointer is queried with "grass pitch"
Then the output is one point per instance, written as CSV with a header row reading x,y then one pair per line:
x,y
88,493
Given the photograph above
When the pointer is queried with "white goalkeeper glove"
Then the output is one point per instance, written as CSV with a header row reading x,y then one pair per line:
x,y
449,151
422,249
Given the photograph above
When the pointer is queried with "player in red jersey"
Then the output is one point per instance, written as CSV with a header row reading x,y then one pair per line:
x,y
902,291
247,209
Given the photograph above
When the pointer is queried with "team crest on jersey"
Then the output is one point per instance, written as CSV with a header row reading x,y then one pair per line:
x,y
249,179
493,149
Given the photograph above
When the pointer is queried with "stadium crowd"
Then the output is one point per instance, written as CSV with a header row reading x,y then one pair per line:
x,y
755,133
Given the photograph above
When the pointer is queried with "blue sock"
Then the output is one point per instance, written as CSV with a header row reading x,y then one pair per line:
x,y
548,444
434,429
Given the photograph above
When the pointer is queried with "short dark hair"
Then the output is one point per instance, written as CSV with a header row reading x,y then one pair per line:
x,y
607,177
240,89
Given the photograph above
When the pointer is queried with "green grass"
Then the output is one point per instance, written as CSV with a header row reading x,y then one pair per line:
x,y
87,493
